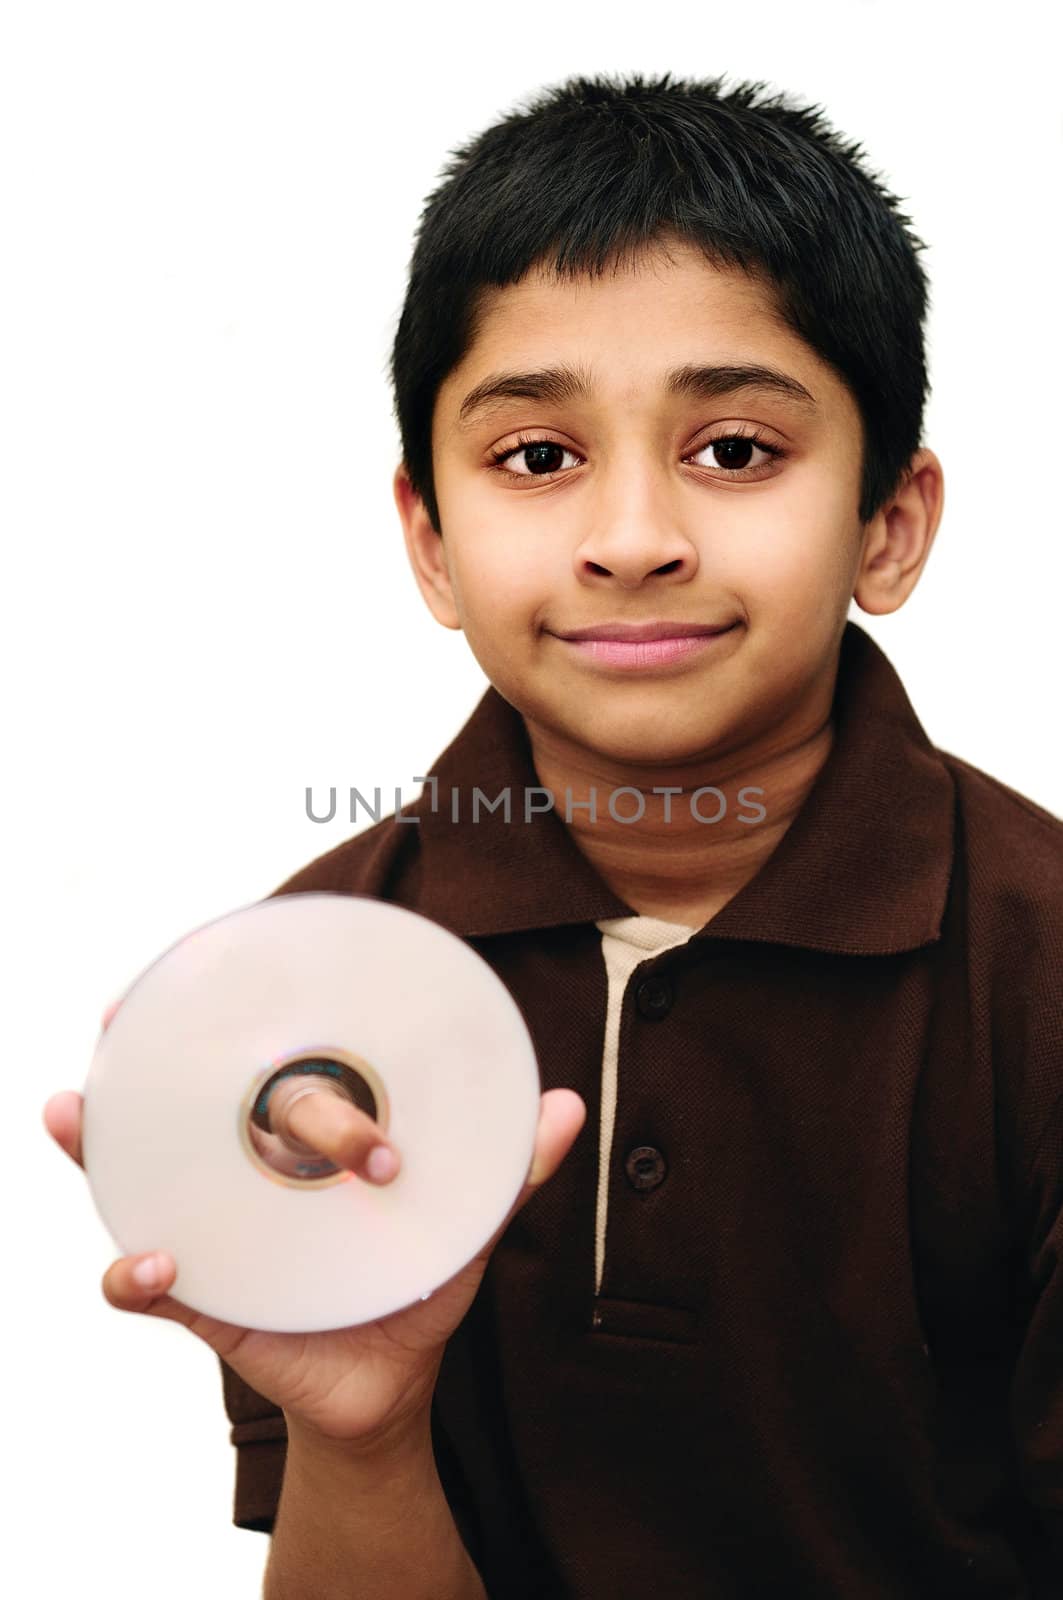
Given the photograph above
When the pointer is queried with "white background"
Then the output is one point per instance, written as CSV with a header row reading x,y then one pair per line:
x,y
207,212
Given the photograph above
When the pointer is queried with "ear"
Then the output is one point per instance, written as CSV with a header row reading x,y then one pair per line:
x,y
424,546
898,538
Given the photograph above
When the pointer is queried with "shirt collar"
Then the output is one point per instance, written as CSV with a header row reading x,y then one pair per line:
x,y
863,869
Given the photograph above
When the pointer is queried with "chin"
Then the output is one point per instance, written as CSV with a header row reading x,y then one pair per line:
x,y
650,740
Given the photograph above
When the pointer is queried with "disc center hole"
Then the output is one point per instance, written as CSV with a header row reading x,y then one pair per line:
x,y
276,1146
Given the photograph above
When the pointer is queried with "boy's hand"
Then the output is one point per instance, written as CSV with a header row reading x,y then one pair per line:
x,y
361,1384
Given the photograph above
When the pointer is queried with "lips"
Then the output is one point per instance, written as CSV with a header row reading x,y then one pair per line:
x,y
646,646
641,632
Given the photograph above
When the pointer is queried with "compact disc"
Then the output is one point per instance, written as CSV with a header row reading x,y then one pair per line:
x,y
404,1017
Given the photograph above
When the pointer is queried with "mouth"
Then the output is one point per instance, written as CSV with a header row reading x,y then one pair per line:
x,y
641,632
645,646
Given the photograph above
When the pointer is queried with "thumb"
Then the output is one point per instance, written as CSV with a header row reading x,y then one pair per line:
x,y
562,1114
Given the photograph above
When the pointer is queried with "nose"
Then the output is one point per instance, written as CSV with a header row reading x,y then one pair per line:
x,y
634,544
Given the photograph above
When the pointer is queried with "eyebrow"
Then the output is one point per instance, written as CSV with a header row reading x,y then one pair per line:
x,y
554,385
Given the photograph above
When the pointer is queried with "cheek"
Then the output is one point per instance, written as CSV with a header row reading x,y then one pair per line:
x,y
798,551
498,581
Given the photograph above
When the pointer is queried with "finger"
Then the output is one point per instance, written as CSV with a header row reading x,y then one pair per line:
x,y
562,1114
329,1125
126,1292
139,1283
62,1113
62,1118
134,1283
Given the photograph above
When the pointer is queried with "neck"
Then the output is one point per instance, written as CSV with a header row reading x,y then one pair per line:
x,y
675,862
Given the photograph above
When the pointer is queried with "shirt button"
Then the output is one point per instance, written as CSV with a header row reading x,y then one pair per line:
x,y
645,1167
654,996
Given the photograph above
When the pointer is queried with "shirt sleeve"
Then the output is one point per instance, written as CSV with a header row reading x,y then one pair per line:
x,y
1037,1385
260,1436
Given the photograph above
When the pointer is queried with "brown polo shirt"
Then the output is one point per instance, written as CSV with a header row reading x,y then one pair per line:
x,y
825,1357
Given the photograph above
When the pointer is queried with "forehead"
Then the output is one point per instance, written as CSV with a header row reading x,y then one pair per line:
x,y
629,328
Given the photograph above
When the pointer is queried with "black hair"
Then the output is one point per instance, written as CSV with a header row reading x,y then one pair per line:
x,y
594,169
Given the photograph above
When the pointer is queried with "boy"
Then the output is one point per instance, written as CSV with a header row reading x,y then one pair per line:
x,y
788,1319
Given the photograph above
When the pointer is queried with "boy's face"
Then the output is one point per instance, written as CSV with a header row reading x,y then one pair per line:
x,y
617,507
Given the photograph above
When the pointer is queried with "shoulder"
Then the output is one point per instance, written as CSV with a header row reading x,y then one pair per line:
x,y
370,862
1009,872
986,800
1010,847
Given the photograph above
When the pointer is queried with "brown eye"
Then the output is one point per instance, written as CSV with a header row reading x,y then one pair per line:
x,y
737,453
543,457
734,453
532,458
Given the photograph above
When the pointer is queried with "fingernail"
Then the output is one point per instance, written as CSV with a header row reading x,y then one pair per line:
x,y
148,1273
383,1163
